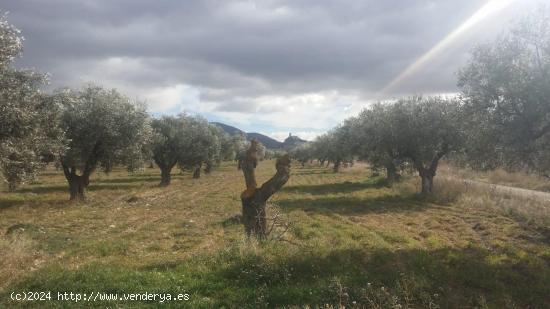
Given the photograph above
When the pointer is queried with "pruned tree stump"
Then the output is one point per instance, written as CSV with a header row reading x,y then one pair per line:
x,y
253,198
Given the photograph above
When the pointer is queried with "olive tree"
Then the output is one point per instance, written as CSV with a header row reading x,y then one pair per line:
x,y
506,90
104,128
227,147
427,129
302,153
376,139
336,146
27,139
169,142
320,148
204,146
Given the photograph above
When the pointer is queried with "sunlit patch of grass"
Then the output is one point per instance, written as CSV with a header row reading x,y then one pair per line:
x,y
354,241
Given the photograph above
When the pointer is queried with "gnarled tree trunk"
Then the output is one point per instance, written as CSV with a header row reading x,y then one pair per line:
x,y
336,167
77,187
165,176
427,181
391,172
77,183
197,172
427,174
254,199
208,167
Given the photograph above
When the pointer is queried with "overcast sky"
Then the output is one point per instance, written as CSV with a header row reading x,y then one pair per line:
x,y
299,66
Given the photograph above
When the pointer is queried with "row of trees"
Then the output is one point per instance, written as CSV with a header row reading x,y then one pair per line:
x,y
93,128
500,119
413,131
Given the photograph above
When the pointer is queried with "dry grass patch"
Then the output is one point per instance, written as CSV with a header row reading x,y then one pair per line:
x,y
498,176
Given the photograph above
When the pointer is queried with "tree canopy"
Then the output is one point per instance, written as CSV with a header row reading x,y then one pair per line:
x,y
186,141
27,137
103,128
506,86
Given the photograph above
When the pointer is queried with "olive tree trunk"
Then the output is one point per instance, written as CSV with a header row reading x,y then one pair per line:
x,y
77,183
336,167
208,167
254,199
197,172
427,174
391,172
427,182
165,176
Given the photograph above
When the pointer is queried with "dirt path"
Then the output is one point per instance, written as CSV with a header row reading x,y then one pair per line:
x,y
519,192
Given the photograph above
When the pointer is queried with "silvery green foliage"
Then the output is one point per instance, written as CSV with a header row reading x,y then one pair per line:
x,y
334,146
11,41
414,130
27,137
506,88
320,147
302,153
227,149
184,140
204,145
170,140
103,127
240,145
261,151
376,140
426,129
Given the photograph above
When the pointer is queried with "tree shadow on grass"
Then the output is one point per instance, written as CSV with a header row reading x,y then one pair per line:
x,y
297,173
131,179
5,203
342,187
94,186
44,189
350,277
349,205
449,277
39,202
99,186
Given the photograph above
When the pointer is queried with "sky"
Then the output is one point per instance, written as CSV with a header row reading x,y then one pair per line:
x,y
270,66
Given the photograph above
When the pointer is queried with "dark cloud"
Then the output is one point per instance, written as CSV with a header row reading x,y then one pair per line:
x,y
238,51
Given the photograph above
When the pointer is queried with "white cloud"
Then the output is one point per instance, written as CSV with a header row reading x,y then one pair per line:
x,y
173,99
309,111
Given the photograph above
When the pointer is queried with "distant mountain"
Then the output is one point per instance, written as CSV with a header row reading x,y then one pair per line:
x,y
292,141
229,129
267,141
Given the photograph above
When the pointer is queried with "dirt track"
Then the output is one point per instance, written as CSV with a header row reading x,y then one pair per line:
x,y
513,191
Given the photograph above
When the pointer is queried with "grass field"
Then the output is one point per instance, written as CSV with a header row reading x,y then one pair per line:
x,y
499,177
354,242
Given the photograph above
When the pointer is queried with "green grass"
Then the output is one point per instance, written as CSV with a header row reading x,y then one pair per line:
x,y
354,241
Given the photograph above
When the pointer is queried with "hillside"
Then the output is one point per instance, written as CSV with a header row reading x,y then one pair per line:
x,y
228,129
292,141
267,141
353,242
